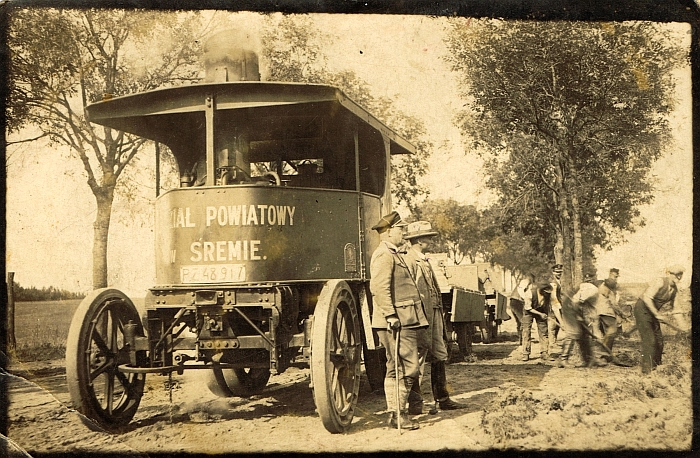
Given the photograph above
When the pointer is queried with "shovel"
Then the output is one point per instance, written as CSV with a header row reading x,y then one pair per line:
x,y
672,326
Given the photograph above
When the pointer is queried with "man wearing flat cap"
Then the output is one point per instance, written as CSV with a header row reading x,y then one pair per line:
x,y
431,341
397,306
659,293
537,302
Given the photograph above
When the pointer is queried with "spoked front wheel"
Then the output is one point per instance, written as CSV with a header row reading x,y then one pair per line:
x,y
94,350
336,349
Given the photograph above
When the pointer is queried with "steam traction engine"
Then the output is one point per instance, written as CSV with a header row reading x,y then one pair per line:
x,y
262,252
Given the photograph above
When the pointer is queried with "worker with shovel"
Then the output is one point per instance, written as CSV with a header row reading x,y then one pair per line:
x,y
579,317
398,315
658,294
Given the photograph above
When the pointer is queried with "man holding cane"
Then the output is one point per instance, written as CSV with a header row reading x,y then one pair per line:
x,y
396,306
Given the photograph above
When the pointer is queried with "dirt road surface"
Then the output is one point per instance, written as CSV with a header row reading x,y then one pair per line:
x,y
512,404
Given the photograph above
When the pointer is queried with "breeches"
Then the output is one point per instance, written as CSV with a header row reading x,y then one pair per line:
x,y
408,353
553,333
431,341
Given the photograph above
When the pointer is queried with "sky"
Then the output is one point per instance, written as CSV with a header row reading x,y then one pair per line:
x,y
50,209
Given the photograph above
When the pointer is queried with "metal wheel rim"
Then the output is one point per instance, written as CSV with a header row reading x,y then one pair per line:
x,y
102,358
344,356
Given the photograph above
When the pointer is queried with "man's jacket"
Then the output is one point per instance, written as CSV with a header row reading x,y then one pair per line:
x,y
393,290
426,281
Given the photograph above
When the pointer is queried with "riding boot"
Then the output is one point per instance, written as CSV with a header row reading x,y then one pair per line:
x,y
438,380
406,422
404,389
390,394
415,400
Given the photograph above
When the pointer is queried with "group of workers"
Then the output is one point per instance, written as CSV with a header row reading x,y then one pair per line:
x,y
409,320
591,317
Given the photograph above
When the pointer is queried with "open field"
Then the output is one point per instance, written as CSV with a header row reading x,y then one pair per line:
x,y
41,322
41,328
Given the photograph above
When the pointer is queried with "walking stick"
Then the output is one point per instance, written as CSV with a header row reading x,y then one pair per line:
x,y
396,371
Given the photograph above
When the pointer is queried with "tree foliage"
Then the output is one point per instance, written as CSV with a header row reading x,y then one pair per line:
x,y
62,59
514,251
569,117
458,227
292,51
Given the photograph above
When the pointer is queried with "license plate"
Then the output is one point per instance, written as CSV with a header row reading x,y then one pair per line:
x,y
218,273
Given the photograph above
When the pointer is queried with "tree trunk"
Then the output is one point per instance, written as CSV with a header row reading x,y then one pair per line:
x,y
100,238
578,243
559,248
11,341
564,233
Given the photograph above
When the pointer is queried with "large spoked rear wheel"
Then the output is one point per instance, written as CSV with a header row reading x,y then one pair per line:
x,y
237,382
336,350
94,350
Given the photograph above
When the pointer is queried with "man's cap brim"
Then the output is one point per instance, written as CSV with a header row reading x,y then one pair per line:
x,y
420,234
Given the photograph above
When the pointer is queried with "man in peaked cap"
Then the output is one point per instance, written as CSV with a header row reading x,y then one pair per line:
x,y
608,316
397,306
431,341
659,293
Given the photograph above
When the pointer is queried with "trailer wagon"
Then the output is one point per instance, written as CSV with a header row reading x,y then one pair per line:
x,y
467,305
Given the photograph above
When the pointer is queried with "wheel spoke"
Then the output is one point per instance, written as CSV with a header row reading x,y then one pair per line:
x,y
113,344
101,344
100,370
339,390
124,380
129,387
109,392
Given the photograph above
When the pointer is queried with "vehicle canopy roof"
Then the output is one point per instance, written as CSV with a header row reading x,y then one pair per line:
x,y
174,116
280,121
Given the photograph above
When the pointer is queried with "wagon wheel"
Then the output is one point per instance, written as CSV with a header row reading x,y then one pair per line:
x,y
237,382
94,350
335,355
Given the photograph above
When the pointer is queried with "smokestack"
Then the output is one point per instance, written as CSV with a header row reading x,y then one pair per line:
x,y
230,56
